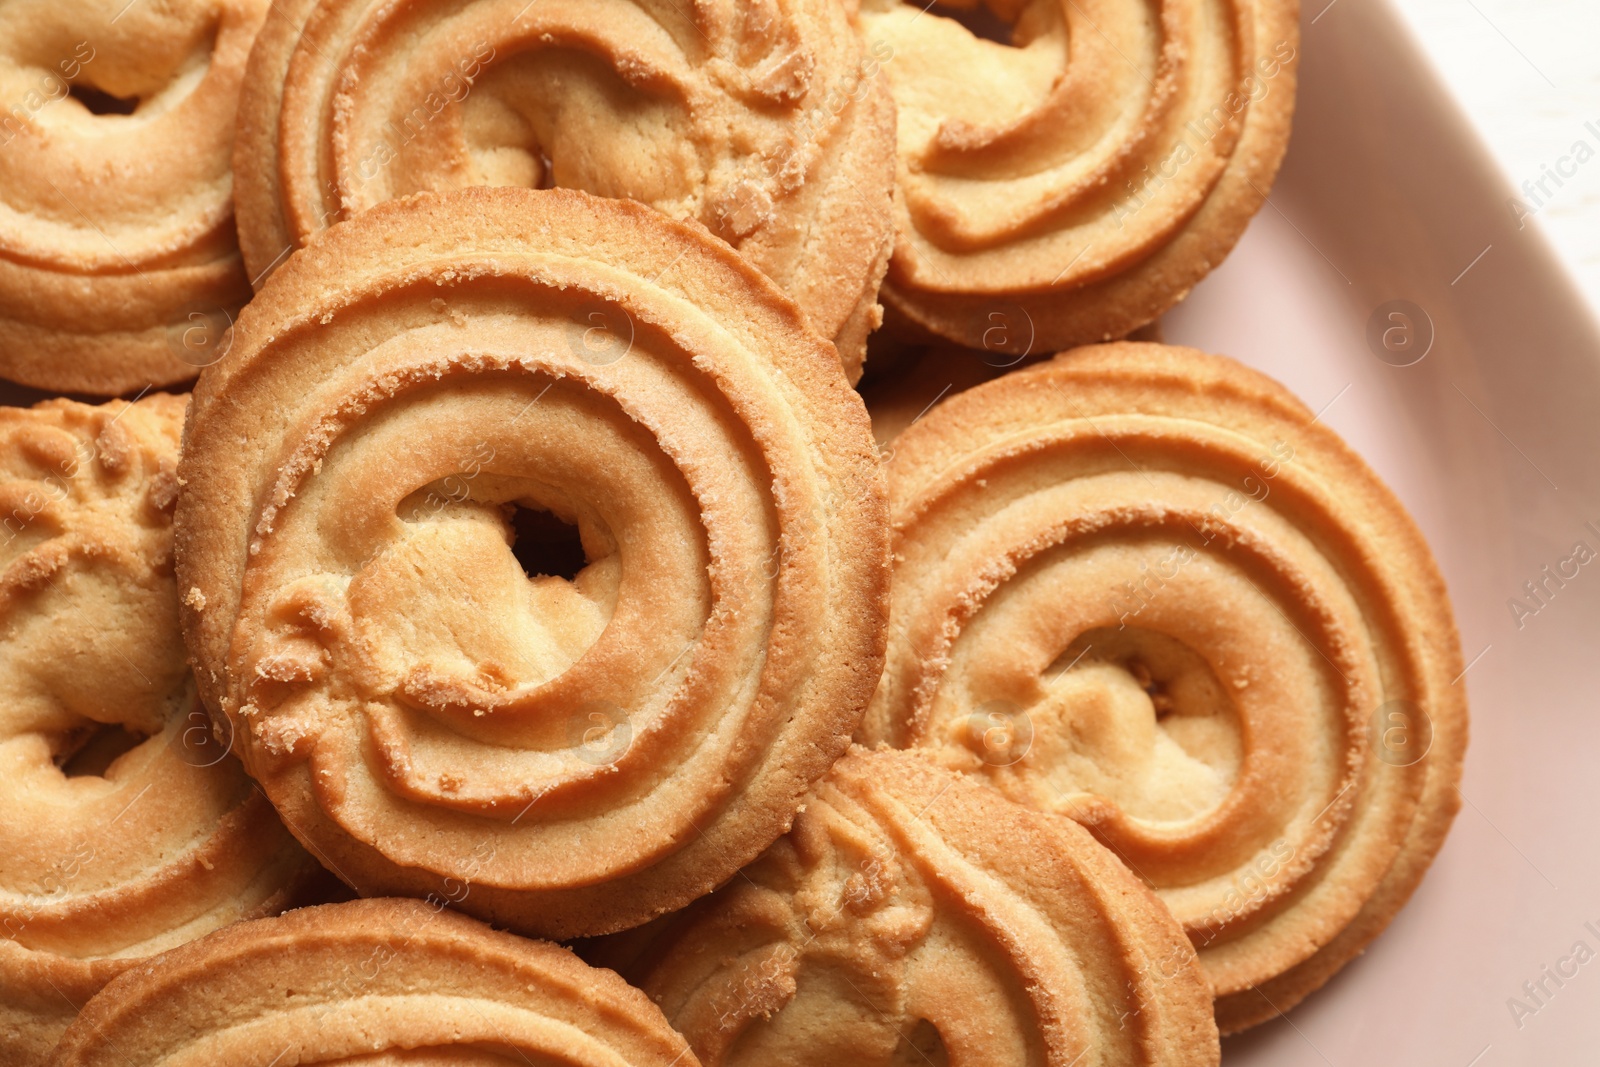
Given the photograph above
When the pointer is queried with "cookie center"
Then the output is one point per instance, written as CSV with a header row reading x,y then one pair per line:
x,y
978,19
527,589
1008,67
922,1045
545,545
98,102
91,750
1128,714
560,117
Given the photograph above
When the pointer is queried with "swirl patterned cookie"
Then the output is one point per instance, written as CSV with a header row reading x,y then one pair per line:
x,y
371,982
913,915
1077,180
1142,586
760,119
119,267
125,826
613,725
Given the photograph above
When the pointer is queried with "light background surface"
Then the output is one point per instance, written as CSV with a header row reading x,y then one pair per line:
x,y
1527,73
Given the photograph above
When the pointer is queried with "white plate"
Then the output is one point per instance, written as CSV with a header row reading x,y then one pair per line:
x,y
1493,441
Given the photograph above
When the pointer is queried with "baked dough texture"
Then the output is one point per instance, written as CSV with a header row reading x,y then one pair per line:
x,y
119,266
1071,185
379,983
915,916
761,119
1144,587
127,828
585,753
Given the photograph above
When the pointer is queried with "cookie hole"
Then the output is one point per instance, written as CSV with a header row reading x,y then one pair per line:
x,y
545,545
1153,687
920,1047
91,752
1178,680
979,20
98,102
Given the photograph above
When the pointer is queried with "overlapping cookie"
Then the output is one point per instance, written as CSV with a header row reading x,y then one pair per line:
x,y
119,267
1083,172
374,982
611,725
762,120
127,828
1144,587
915,916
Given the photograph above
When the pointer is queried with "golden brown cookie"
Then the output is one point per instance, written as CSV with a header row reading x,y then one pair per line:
x,y
913,916
372,982
125,826
763,120
119,267
1080,176
1144,587
615,723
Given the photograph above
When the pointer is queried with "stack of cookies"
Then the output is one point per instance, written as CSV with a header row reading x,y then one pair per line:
x,y
522,643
